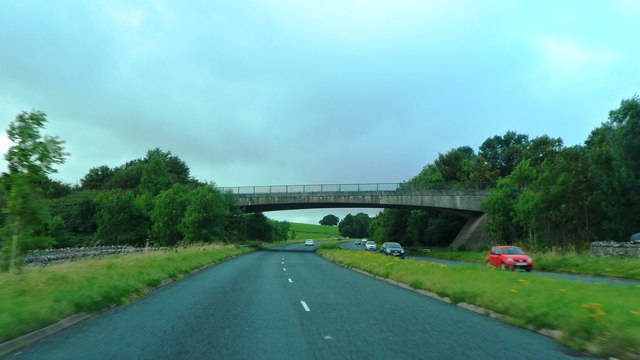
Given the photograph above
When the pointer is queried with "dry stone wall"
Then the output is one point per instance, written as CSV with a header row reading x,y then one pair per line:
x,y
612,248
44,257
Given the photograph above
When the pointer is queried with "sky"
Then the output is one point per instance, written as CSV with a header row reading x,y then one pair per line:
x,y
310,92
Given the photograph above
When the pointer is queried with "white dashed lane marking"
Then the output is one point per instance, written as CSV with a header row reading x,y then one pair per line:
x,y
305,306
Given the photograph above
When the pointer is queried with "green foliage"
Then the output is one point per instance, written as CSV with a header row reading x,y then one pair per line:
x,y
168,212
430,174
355,226
205,216
155,175
57,230
280,230
30,159
97,178
614,154
119,220
501,154
456,165
390,225
77,211
33,154
257,227
330,220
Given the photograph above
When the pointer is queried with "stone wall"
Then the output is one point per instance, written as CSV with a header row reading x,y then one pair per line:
x,y
45,257
612,248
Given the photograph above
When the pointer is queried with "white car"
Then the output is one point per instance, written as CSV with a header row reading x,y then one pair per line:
x,y
370,245
308,242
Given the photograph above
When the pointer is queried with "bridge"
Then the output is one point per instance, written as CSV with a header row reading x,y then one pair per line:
x,y
439,196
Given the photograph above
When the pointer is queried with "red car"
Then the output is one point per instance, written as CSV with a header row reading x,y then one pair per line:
x,y
509,257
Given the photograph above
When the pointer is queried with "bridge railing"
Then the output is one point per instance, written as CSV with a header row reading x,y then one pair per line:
x,y
367,187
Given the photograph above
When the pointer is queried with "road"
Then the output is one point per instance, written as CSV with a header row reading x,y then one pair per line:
x,y
290,304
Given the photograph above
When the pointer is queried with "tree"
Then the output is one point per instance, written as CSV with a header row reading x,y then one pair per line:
x,y
330,220
429,175
280,230
78,212
355,226
120,221
167,214
205,217
161,170
97,178
31,158
390,225
457,164
257,227
501,154
614,157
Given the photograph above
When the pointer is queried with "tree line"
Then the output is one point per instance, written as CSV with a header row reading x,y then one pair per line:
x,y
152,201
543,194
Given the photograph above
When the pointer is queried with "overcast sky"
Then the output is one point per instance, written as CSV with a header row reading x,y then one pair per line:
x,y
310,92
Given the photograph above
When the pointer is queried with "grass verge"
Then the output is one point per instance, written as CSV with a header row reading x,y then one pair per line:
x,y
38,297
600,319
569,262
311,231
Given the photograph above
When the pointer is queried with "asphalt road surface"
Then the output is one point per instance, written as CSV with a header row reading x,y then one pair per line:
x,y
290,304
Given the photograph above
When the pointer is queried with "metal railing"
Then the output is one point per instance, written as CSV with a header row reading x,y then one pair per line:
x,y
367,187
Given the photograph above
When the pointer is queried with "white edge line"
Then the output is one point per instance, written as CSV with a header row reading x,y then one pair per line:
x,y
290,280
305,306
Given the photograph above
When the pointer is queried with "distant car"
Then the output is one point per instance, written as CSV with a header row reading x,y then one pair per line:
x,y
308,242
635,237
357,242
392,248
509,257
370,245
363,241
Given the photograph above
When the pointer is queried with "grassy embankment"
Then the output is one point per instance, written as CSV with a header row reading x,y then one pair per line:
x,y
600,319
37,297
311,231
569,262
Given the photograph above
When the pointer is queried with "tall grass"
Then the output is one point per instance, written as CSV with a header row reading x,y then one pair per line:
x,y
37,297
599,318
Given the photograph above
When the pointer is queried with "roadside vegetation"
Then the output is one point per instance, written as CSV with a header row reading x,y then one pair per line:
x,y
312,231
541,194
152,201
556,261
600,319
37,297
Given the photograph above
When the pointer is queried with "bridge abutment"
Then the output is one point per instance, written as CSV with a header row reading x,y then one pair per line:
x,y
472,235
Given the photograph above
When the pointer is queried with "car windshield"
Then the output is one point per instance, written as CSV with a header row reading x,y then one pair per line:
x,y
370,243
512,251
393,245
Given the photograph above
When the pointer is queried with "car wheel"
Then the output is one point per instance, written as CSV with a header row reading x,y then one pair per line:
x,y
503,266
528,269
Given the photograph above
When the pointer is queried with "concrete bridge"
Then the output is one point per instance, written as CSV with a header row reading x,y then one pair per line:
x,y
442,196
